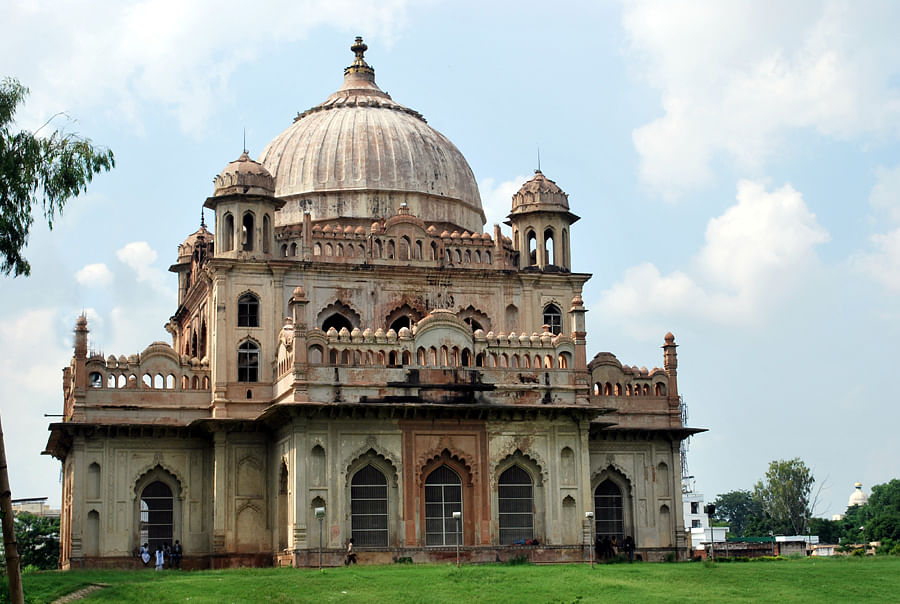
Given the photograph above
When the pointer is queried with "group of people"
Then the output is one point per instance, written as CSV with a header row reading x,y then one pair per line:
x,y
164,553
608,548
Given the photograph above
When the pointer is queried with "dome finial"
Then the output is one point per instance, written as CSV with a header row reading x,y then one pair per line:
x,y
359,65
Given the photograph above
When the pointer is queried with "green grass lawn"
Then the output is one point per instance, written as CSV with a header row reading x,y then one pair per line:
x,y
800,580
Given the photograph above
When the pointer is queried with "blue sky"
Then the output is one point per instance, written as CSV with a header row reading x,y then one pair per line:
x,y
736,166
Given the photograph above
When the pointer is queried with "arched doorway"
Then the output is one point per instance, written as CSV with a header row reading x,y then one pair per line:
x,y
369,508
609,511
515,496
443,496
157,515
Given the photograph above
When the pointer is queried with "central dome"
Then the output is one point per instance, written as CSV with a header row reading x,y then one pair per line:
x,y
360,154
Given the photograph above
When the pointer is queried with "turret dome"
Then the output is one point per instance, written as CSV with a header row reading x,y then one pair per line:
x,y
360,154
244,176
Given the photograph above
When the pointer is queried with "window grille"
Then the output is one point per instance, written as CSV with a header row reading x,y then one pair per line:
x,y
248,362
369,508
156,515
443,496
516,503
608,511
553,318
248,311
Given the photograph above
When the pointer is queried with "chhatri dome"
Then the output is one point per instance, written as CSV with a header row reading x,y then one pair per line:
x,y
857,497
359,155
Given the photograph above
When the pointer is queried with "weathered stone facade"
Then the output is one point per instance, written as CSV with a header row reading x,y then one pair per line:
x,y
348,339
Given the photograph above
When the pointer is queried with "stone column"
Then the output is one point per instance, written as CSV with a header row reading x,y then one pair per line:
x,y
220,490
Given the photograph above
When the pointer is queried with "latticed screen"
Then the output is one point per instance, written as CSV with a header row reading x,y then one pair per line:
x,y
369,508
443,496
156,515
516,501
608,511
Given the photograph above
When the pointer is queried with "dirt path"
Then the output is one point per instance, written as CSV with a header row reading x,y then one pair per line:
x,y
77,595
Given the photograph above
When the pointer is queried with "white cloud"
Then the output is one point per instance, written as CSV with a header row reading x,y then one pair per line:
x,y
94,275
139,256
885,195
735,79
882,262
496,198
37,345
755,251
178,54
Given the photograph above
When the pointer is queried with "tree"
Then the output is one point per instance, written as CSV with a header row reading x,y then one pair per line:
x,y
785,495
37,170
742,513
38,540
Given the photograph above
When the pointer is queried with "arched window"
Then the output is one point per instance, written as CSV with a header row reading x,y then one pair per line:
x,y
400,323
202,346
157,515
247,232
248,311
317,249
338,321
531,245
228,243
403,249
608,511
549,251
443,496
267,233
369,507
553,318
515,494
315,354
248,362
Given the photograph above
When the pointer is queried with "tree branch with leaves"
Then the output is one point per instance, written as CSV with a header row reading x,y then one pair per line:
x,y
37,170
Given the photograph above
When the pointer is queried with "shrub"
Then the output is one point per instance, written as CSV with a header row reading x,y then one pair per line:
x,y
517,560
670,557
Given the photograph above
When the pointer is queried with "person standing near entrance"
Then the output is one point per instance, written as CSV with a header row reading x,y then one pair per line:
x,y
160,557
176,555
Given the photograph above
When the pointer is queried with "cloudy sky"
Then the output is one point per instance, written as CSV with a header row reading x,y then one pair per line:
x,y
736,166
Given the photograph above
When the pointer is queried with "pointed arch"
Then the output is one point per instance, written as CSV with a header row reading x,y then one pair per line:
x,y
336,311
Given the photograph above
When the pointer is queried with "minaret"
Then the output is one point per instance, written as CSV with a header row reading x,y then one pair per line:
x,y
540,219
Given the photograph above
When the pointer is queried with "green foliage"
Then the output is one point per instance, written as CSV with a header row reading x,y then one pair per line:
x,y
518,560
741,513
37,538
828,531
37,170
878,520
784,494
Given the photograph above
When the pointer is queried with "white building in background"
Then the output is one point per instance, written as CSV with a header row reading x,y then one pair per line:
x,y
696,522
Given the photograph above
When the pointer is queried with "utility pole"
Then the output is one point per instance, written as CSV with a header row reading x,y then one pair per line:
x,y
16,594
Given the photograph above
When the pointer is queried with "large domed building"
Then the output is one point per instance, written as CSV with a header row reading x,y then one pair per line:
x,y
353,356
